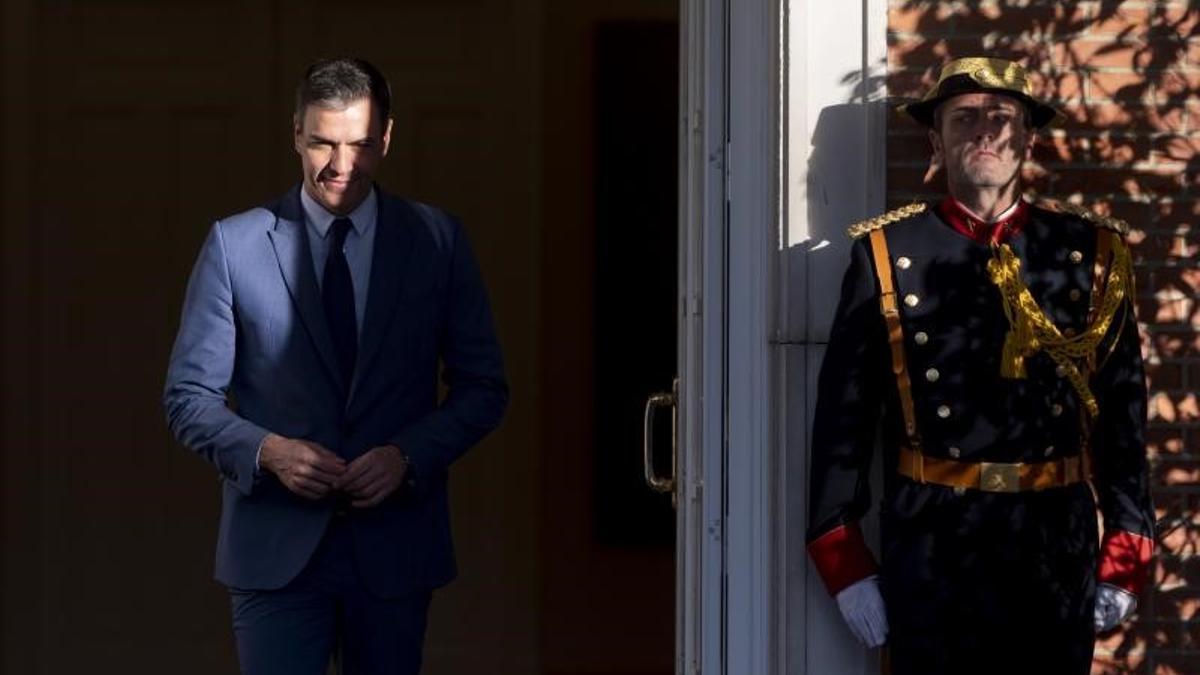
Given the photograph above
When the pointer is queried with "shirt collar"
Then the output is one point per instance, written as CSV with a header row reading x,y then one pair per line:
x,y
362,217
1008,224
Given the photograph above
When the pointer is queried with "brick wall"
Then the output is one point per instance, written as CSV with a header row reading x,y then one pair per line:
x,y
1128,76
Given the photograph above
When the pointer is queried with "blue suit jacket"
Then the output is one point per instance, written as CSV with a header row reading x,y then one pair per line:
x,y
254,355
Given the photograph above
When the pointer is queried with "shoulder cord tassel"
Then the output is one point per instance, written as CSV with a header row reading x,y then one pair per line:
x,y
1030,330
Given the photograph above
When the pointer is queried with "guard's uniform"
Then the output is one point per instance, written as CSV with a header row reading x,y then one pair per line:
x,y
985,567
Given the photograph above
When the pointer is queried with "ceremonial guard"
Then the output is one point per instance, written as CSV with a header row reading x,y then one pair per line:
x,y
992,344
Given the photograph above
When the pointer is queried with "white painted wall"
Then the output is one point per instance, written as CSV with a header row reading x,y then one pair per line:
x,y
834,134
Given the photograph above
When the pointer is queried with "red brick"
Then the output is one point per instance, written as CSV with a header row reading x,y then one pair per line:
x,y
1175,148
1161,245
911,84
1165,376
908,19
908,148
1164,442
1101,53
1175,345
1175,214
1119,20
905,179
1135,213
1118,86
1176,474
1036,19
1121,149
1189,278
909,53
1114,181
1145,20
1145,277
1125,117
1171,85
1062,86
1174,664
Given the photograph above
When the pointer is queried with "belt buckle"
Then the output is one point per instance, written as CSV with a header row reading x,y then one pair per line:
x,y
999,477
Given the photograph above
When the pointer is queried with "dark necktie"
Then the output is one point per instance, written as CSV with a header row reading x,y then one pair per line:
x,y
337,293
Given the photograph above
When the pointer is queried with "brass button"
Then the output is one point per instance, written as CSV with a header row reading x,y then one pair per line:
x,y
903,263
1056,410
932,375
943,411
1075,294
1048,451
959,490
955,452
911,300
921,337
1060,371
1076,257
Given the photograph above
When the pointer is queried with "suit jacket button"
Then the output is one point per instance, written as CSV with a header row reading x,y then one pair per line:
x,y
1056,410
932,375
1075,294
903,263
1077,257
912,300
943,411
955,452
921,337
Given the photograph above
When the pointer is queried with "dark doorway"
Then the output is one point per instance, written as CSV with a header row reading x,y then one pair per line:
x,y
636,161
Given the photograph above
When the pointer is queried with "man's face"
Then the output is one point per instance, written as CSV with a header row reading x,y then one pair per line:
x,y
982,140
340,148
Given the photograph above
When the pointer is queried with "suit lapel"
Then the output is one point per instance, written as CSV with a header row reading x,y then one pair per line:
x,y
296,264
389,264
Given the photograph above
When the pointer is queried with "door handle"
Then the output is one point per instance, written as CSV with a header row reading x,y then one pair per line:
x,y
660,400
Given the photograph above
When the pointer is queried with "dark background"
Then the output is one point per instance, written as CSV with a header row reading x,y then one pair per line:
x,y
130,125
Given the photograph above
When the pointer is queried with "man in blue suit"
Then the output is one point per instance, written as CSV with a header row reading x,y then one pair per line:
x,y
306,371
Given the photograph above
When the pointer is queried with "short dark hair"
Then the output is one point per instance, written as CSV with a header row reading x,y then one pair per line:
x,y
337,82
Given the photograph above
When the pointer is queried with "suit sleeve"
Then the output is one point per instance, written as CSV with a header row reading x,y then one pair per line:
x,y
1120,468
849,399
200,370
472,370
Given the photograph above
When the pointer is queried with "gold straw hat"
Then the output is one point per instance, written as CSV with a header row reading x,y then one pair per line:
x,y
967,75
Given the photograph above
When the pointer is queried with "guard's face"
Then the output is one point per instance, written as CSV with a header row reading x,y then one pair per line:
x,y
340,150
982,140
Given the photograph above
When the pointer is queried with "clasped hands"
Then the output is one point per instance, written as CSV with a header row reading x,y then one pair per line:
x,y
313,472
861,605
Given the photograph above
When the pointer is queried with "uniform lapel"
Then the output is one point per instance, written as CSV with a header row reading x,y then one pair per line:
x,y
389,264
296,264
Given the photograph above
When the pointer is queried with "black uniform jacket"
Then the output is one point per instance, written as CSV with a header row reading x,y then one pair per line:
x,y
942,548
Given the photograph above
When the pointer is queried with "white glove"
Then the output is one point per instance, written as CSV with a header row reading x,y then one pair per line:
x,y
1113,606
862,608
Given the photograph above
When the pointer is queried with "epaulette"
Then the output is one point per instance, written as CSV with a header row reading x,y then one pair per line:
x,y
1115,224
862,229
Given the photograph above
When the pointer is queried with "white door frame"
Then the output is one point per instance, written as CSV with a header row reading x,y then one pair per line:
x,y
727,610
700,528
755,77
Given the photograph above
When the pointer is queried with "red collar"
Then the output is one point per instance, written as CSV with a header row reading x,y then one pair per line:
x,y
969,225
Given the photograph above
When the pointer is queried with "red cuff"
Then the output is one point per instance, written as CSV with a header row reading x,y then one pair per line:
x,y
1124,560
842,557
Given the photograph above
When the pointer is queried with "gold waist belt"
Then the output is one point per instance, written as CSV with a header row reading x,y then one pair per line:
x,y
991,476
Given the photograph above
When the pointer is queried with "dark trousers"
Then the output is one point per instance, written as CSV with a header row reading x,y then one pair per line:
x,y
327,610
